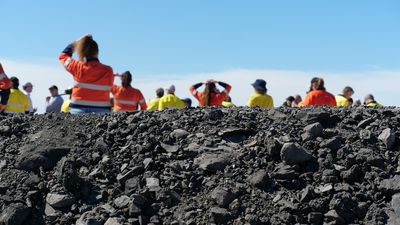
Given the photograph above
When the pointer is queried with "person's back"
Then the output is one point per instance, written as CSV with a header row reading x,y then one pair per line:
x,y
319,98
371,102
18,102
211,96
344,99
260,100
170,101
260,97
65,106
54,104
341,101
92,80
128,99
154,103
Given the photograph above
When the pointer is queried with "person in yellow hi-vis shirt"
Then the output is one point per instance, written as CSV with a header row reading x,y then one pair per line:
x,y
65,106
154,103
170,100
228,102
260,97
18,102
345,100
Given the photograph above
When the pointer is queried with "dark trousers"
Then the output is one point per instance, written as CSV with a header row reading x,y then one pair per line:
x,y
4,94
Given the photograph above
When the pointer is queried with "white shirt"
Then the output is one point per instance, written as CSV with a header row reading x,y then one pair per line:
x,y
30,109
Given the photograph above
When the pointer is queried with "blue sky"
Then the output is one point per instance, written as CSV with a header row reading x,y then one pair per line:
x,y
286,42
179,37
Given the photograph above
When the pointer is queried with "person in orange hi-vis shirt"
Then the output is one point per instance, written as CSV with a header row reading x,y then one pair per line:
x,y
127,98
5,85
318,96
211,96
92,80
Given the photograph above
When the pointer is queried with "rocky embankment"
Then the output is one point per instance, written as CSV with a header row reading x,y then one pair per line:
x,y
202,166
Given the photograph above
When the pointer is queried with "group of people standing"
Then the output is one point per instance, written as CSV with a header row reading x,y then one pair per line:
x,y
13,100
94,84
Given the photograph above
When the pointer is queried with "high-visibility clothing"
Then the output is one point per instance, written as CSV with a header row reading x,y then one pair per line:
x,y
153,104
216,99
374,104
170,101
341,101
18,102
92,81
65,106
127,98
319,98
227,104
260,100
5,83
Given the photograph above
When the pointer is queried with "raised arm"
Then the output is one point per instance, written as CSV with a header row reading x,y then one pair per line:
x,y
227,87
194,87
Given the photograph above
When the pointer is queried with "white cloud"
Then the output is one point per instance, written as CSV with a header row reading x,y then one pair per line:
x,y
281,83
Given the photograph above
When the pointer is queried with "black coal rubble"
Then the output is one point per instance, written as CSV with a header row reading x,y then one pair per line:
x,y
202,166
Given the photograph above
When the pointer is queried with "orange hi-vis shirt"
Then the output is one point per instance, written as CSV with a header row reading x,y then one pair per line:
x,y
216,98
319,98
127,99
92,81
5,82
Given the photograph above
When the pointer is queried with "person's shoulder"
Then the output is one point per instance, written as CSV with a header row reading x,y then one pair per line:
x,y
268,96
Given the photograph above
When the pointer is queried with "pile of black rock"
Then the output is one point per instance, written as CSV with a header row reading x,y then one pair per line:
x,y
202,166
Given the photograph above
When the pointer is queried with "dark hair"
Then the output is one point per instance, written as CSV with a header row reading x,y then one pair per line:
x,y
347,89
188,102
86,48
210,88
160,92
320,84
126,79
15,82
261,92
290,98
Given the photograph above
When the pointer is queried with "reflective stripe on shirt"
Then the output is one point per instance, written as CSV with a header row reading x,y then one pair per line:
x,y
91,103
67,62
125,102
16,105
93,86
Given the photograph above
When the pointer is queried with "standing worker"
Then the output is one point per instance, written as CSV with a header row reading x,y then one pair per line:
x,y
153,104
127,98
344,99
55,101
92,80
18,102
211,96
317,95
260,97
369,101
28,88
5,85
170,100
